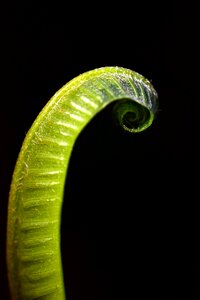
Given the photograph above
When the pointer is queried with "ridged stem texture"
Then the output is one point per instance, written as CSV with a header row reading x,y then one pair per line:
x,y
37,187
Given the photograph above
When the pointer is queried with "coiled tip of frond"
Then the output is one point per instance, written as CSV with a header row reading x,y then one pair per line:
x,y
132,116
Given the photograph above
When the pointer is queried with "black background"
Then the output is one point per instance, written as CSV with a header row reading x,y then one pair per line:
x,y
130,219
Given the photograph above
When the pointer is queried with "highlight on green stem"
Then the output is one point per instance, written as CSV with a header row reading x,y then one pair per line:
x,y
37,187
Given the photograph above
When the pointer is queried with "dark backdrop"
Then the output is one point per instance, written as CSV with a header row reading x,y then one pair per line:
x,y
130,221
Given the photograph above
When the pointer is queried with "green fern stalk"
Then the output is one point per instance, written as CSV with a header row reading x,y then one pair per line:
x,y
36,193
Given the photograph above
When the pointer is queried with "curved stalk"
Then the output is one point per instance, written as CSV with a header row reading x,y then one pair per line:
x,y
36,193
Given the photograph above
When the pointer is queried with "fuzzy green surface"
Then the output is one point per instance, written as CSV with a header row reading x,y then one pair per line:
x,y
35,200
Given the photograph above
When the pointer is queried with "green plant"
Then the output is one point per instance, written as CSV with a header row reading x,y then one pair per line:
x,y
35,200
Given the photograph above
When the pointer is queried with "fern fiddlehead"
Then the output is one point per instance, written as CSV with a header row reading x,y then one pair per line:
x,y
35,199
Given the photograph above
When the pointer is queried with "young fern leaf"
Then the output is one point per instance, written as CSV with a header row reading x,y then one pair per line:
x,y
37,187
